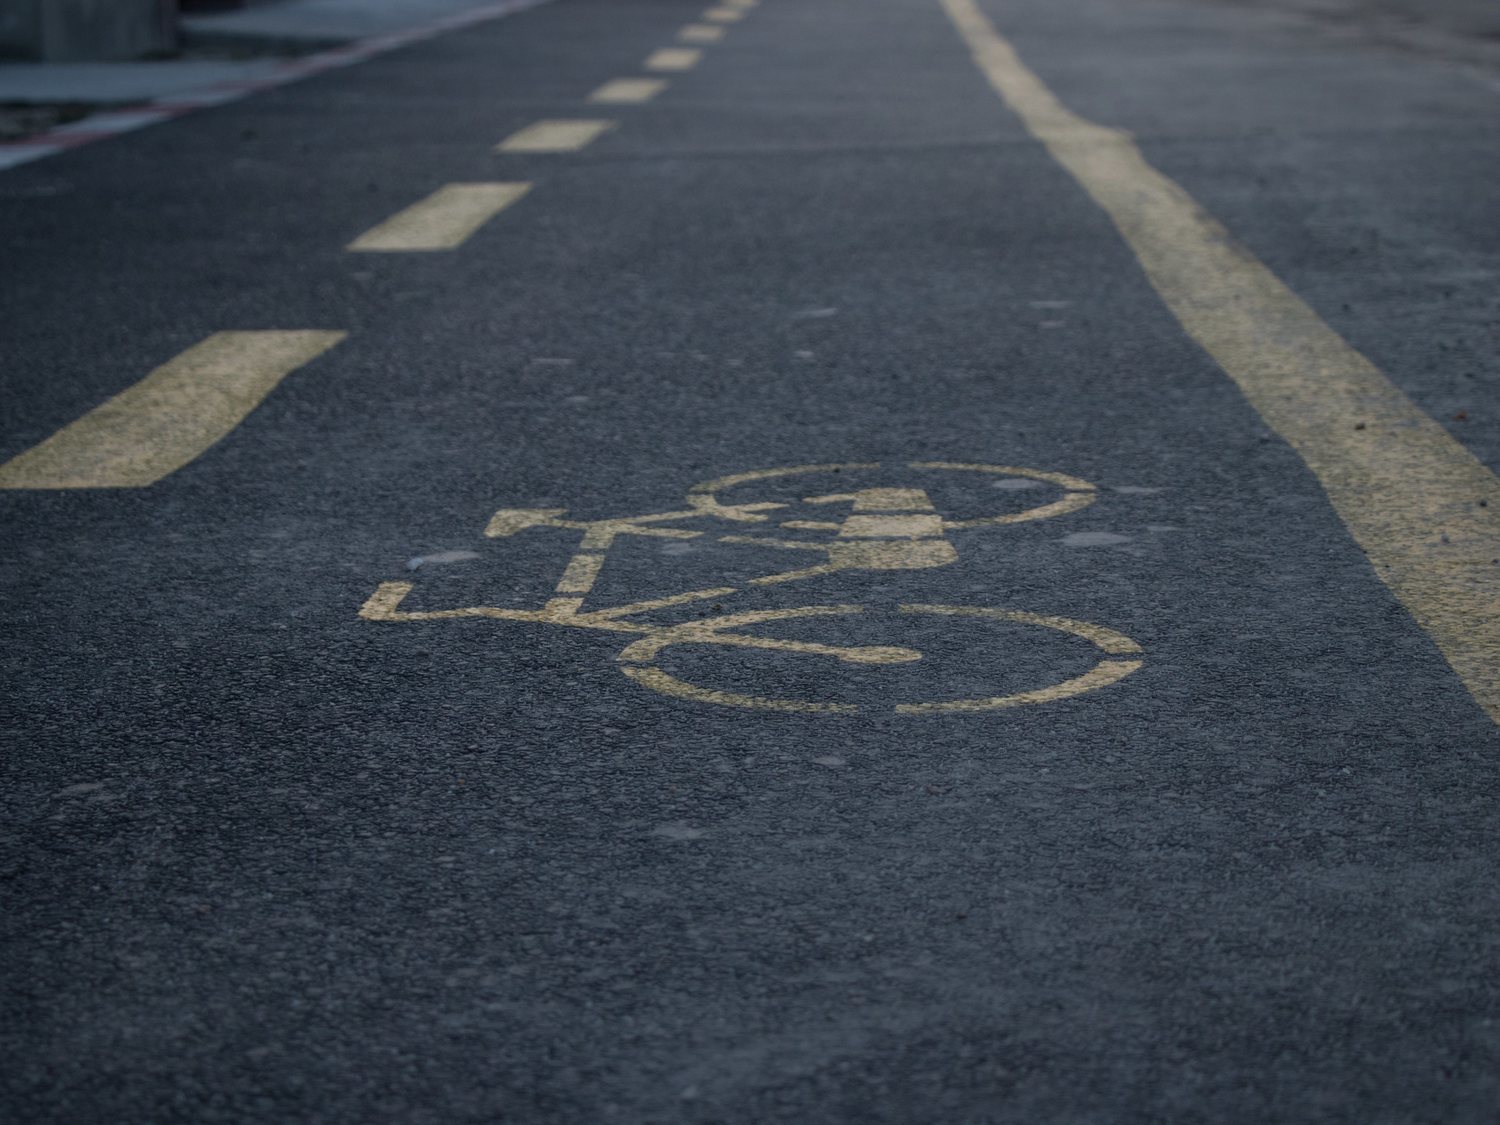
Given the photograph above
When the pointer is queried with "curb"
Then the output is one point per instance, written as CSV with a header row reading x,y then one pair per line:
x,y
112,123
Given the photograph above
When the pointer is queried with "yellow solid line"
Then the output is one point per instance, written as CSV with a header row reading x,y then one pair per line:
x,y
170,417
443,220
700,33
554,136
1425,510
674,58
628,90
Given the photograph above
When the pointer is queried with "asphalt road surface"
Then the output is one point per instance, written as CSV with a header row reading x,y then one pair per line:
x,y
1057,680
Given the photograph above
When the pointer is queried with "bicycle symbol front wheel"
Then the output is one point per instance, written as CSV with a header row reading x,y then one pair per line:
x,y
1117,657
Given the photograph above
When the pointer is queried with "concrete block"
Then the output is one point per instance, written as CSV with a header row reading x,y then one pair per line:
x,y
86,30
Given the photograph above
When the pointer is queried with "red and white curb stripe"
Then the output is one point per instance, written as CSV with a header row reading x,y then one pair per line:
x,y
114,122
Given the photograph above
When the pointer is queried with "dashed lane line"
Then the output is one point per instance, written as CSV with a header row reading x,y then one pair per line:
x,y
628,91
170,417
555,136
1423,508
724,15
674,58
700,33
442,221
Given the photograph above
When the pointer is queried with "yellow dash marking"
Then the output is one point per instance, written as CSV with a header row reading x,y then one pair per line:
x,y
554,136
170,417
582,571
1424,509
724,15
628,91
443,220
674,58
700,33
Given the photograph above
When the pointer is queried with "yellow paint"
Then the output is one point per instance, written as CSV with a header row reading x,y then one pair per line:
x,y
1106,640
713,632
1101,675
628,91
1423,508
700,33
510,521
716,631
674,58
1062,480
1080,493
892,527
555,136
887,529
796,575
889,500
170,417
442,221
602,533
921,554
581,574
710,488
662,603
723,15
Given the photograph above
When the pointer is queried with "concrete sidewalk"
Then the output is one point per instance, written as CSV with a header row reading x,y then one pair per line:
x,y
122,83
224,47
307,24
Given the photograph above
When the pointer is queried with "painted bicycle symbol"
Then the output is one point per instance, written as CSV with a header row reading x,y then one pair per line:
x,y
883,529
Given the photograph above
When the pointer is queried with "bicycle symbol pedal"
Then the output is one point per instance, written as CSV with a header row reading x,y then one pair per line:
x,y
886,528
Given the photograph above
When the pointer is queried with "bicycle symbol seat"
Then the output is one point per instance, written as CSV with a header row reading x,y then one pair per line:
x,y
886,529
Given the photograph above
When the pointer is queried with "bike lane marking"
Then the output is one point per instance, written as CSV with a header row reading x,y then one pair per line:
x,y
674,58
171,416
628,91
1424,509
555,136
444,220
888,528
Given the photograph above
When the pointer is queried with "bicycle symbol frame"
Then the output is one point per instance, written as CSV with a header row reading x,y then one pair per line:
x,y
887,529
